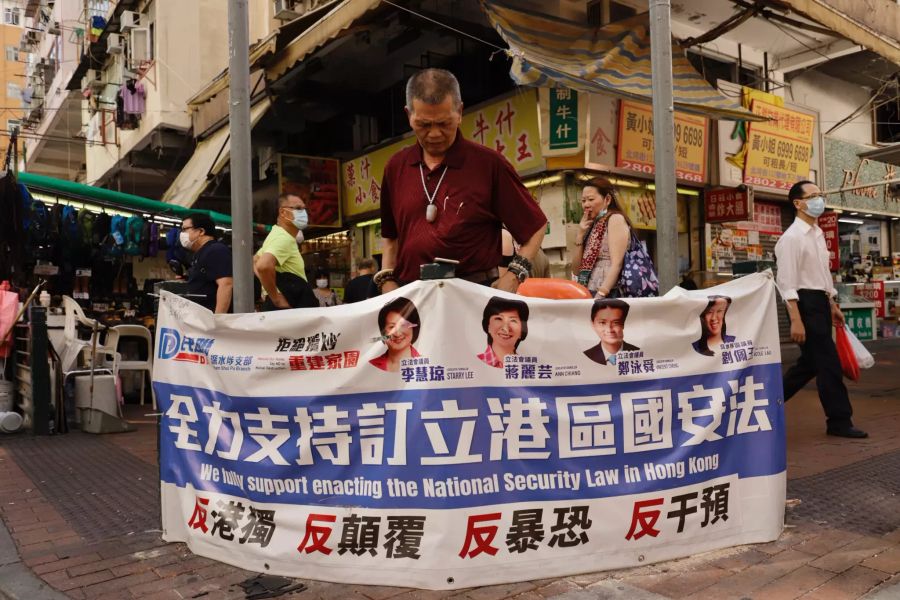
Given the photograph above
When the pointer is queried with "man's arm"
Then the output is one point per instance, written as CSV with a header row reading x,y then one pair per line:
x,y
223,294
508,281
786,257
265,271
389,261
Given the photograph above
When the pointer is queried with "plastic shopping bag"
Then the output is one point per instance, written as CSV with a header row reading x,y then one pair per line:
x,y
864,358
845,352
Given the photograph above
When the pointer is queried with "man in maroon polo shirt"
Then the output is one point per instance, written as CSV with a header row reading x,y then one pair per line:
x,y
447,197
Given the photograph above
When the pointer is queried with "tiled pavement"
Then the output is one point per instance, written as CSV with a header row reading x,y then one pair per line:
x,y
82,512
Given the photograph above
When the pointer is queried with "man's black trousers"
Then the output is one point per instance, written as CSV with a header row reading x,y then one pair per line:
x,y
819,359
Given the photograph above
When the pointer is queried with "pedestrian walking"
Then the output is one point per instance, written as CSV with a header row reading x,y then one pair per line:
x,y
324,294
361,287
805,282
445,197
279,265
209,281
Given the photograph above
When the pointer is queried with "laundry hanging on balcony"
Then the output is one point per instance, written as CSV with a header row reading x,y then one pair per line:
x,y
615,59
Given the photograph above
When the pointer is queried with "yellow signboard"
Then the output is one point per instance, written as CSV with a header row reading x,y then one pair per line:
x,y
635,147
640,207
778,151
509,126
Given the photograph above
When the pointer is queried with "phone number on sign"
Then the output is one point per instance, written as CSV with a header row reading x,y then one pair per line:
x,y
766,182
650,170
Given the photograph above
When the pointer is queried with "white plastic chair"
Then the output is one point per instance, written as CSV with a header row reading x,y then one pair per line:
x,y
136,331
75,346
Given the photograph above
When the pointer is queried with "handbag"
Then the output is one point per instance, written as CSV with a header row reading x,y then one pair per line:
x,y
638,277
849,365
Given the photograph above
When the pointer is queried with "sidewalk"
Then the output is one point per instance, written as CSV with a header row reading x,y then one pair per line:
x,y
82,516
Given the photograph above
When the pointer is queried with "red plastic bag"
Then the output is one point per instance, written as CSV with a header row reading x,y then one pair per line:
x,y
849,365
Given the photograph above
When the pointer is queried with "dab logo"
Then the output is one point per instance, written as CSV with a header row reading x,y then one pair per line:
x,y
174,346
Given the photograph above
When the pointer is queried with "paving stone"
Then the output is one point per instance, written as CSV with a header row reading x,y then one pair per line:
x,y
852,583
887,561
794,584
852,554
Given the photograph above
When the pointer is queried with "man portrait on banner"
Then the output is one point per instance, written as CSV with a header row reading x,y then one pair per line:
x,y
608,320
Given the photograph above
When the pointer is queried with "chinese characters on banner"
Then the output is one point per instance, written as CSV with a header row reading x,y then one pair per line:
x,y
296,448
874,292
315,180
778,151
509,126
635,148
724,205
828,222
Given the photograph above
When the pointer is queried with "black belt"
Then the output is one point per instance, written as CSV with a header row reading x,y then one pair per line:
x,y
806,291
481,276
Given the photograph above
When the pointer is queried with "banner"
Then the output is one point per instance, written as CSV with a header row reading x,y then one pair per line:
x,y
447,435
828,223
635,151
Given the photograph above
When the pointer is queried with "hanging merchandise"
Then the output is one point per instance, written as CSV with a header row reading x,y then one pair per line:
x,y
134,229
117,235
153,240
98,24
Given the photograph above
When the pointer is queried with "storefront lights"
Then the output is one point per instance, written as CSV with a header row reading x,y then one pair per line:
x,y
853,221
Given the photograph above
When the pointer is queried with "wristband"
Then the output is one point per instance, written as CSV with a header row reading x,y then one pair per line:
x,y
382,277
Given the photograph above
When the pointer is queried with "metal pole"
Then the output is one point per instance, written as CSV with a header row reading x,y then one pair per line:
x,y
664,144
239,125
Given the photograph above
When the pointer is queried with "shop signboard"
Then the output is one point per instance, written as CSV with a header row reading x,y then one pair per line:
x,y
640,206
779,151
861,321
873,292
828,223
767,217
316,181
564,120
323,444
509,126
635,142
724,205
844,168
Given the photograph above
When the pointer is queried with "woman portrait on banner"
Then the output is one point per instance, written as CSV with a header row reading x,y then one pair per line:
x,y
604,235
506,324
712,326
399,324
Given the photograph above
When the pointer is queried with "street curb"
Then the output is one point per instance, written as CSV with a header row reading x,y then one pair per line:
x,y
17,581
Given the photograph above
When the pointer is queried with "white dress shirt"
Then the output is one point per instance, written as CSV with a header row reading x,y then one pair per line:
x,y
803,260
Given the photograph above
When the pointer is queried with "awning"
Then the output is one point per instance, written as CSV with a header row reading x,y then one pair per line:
x,y
269,45
209,158
614,59
873,25
89,193
340,18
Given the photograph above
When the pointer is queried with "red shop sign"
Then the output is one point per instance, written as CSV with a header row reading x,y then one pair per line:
x,y
828,223
725,205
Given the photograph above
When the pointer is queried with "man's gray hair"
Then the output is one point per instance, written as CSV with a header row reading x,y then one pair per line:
x,y
432,86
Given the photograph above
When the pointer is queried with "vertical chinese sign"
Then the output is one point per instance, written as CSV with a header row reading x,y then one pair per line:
x,y
315,180
509,126
563,121
779,151
829,225
635,151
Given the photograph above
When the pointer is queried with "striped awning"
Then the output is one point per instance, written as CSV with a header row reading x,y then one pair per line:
x,y
614,59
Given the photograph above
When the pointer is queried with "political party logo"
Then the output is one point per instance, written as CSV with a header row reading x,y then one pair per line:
x,y
175,346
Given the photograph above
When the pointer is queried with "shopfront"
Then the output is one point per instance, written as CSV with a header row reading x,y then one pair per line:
x,y
867,218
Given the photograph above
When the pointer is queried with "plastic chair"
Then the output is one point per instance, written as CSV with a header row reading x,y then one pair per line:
x,y
141,332
76,346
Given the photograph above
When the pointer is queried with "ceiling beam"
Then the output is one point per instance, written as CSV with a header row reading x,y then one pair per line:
x,y
816,55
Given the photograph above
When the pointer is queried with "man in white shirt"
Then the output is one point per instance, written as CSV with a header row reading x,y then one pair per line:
x,y
806,285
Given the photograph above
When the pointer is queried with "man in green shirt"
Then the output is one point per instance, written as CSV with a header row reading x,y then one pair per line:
x,y
278,264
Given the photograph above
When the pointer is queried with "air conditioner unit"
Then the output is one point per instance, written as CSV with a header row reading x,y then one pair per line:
x,y
115,44
129,20
284,10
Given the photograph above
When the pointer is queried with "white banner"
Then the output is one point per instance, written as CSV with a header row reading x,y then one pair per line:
x,y
447,435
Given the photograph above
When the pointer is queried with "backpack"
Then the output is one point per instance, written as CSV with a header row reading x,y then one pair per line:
x,y
117,236
86,223
39,226
153,240
134,228
68,225
101,229
175,252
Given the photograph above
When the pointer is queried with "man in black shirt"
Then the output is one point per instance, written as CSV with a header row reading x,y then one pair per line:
x,y
209,277
361,287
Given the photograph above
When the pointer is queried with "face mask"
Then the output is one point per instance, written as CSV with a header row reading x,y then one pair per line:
x,y
321,283
184,238
299,237
815,207
301,219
